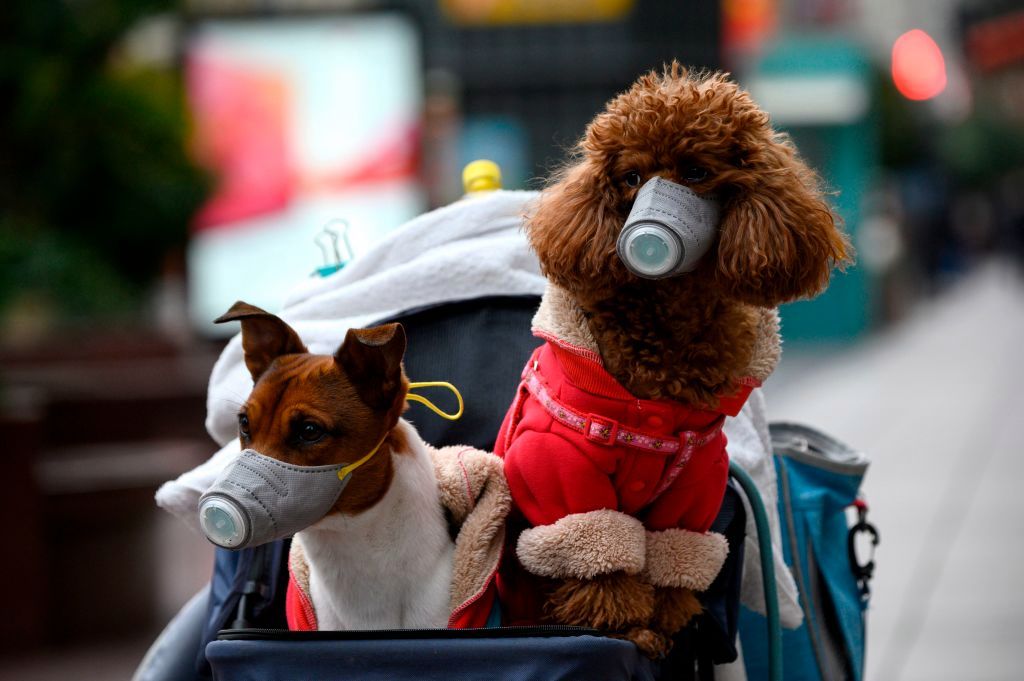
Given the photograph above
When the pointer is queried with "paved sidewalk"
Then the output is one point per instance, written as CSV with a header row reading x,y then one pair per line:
x,y
938,404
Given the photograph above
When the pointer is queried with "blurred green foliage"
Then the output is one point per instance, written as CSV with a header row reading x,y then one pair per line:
x,y
905,130
95,183
983,148
975,152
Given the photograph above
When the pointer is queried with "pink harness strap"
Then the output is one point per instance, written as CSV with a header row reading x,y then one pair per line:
x,y
607,431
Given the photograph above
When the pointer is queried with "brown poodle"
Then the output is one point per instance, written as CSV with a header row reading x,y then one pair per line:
x,y
687,337
691,338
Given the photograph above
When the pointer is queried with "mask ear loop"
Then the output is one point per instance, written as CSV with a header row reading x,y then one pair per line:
x,y
347,470
430,405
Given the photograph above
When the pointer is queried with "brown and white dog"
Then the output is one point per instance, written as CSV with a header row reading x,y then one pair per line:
x,y
635,367
383,556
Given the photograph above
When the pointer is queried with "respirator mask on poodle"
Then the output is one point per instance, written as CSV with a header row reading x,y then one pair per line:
x,y
668,231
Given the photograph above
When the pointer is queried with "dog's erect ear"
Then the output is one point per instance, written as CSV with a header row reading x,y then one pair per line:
x,y
372,360
779,240
265,337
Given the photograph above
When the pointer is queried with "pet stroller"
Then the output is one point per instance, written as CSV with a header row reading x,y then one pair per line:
x,y
467,317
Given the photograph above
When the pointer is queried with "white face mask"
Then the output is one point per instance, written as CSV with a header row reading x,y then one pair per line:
x,y
668,230
257,499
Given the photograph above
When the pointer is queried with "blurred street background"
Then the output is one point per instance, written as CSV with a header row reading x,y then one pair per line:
x,y
160,159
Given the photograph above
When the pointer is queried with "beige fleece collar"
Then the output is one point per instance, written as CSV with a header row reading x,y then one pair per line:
x,y
560,319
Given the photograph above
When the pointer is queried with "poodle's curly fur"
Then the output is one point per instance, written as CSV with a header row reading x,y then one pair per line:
x,y
619,604
623,606
690,337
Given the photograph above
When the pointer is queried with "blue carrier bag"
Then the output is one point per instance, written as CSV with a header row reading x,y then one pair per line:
x,y
819,479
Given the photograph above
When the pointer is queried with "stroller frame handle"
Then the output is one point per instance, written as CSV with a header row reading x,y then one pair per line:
x,y
771,595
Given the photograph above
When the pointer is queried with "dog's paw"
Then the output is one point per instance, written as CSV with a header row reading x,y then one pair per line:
x,y
674,607
610,602
651,643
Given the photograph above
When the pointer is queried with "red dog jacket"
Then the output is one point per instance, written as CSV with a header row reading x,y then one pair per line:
x,y
576,441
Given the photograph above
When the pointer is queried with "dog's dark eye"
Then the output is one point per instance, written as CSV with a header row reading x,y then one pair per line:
x,y
243,425
310,432
632,178
695,174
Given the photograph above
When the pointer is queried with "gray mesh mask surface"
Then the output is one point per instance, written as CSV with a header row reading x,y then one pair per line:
x,y
257,499
668,231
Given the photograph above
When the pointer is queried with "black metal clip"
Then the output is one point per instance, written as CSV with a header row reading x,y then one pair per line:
x,y
862,572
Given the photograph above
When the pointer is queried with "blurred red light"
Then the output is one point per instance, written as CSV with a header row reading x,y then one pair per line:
x,y
918,69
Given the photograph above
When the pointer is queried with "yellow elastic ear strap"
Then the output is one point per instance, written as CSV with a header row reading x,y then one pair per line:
x,y
430,405
345,471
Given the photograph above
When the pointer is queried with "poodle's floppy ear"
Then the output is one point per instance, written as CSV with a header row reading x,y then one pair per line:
x,y
574,228
778,239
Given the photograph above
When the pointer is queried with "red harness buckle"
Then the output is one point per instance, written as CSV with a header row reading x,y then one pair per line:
x,y
603,431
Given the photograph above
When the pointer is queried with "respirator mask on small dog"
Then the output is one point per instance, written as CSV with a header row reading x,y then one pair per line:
x,y
668,231
257,499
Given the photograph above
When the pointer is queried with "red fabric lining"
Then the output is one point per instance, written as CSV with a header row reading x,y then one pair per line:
x,y
298,609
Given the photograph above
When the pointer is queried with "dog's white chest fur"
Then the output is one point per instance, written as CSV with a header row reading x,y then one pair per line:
x,y
390,566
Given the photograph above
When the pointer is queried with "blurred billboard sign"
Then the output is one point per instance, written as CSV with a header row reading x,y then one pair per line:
x,y
994,35
812,98
518,12
301,121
